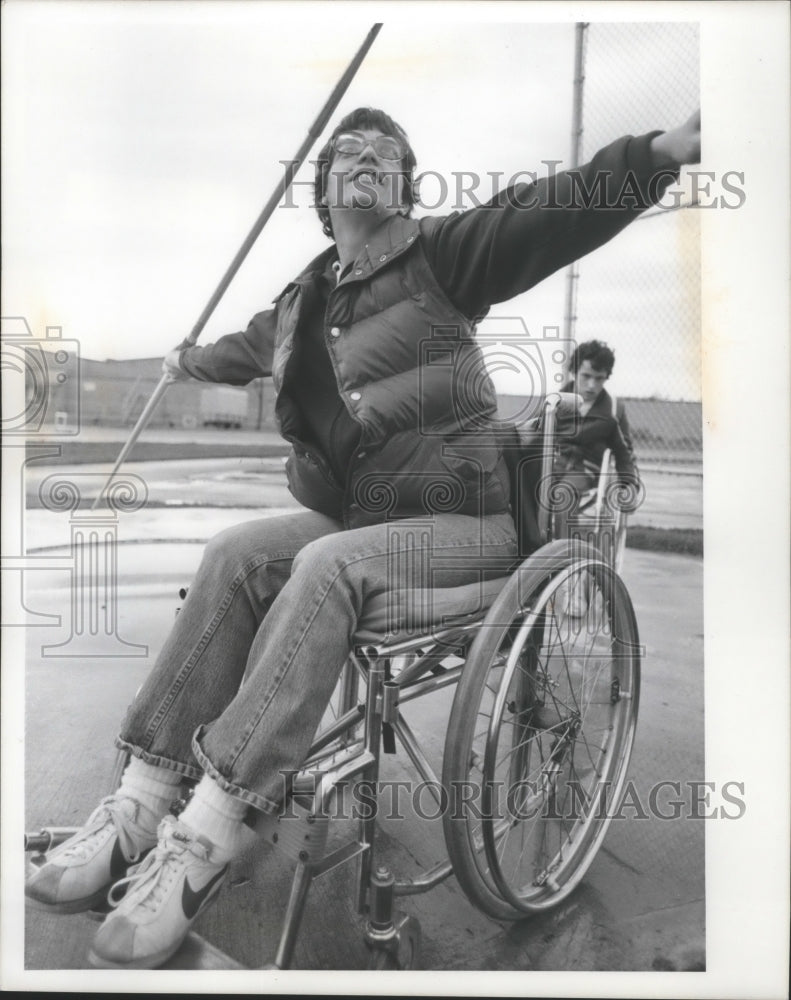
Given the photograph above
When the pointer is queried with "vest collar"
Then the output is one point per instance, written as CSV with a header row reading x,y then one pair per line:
x,y
391,239
395,235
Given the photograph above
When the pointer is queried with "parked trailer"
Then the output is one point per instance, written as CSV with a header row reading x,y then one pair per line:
x,y
223,406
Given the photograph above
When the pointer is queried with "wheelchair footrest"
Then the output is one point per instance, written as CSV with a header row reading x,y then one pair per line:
x,y
300,834
47,838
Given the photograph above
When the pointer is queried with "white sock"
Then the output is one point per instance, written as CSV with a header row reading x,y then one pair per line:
x,y
214,814
152,786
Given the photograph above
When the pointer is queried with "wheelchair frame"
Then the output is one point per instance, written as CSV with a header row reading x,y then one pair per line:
x,y
543,676
606,512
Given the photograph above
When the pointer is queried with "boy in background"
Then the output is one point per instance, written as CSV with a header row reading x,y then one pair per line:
x,y
599,423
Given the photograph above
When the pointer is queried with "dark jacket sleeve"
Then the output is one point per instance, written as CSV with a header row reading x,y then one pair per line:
x,y
495,251
237,358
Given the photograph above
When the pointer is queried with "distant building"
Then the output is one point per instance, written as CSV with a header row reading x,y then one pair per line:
x,y
114,393
81,392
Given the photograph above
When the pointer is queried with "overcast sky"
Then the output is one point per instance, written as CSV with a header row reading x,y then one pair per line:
x,y
142,140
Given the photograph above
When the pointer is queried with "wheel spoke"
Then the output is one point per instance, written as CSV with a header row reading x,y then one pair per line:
x,y
545,736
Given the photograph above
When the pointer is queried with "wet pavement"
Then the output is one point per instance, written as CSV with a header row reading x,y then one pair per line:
x,y
641,906
673,498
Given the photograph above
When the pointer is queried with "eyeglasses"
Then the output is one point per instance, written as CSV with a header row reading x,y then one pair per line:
x,y
386,146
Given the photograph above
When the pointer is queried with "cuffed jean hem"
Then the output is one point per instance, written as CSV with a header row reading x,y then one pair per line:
x,y
188,770
259,802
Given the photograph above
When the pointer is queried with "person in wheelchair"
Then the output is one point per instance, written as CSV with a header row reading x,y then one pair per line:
x,y
381,393
583,438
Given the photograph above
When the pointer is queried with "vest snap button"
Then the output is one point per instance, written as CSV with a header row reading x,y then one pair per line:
x,y
361,454
383,257
355,396
358,271
335,332
409,239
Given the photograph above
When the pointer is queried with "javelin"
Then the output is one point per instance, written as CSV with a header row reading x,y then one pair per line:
x,y
291,168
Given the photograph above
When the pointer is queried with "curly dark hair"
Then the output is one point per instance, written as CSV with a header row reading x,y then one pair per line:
x,y
600,355
362,118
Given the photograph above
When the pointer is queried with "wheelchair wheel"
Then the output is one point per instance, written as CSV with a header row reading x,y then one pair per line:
x,y
541,731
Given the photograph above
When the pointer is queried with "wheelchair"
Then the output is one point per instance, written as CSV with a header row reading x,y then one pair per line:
x,y
601,510
539,738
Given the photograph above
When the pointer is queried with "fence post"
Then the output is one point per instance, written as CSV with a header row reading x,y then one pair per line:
x,y
572,272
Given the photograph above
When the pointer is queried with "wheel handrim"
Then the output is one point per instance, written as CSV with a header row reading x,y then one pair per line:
x,y
578,737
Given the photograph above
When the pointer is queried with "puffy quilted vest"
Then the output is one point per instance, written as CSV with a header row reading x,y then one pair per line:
x,y
413,378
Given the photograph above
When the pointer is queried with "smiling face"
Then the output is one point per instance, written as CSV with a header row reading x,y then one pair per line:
x,y
365,180
347,151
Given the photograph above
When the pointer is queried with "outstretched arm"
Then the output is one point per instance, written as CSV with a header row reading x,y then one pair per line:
x,y
492,252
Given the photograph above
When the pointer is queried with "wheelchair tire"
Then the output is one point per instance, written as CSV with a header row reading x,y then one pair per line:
x,y
541,732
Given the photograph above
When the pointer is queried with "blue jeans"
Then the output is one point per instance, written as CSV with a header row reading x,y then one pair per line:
x,y
244,677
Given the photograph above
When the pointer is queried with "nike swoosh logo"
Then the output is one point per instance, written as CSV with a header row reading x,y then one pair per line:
x,y
191,901
118,862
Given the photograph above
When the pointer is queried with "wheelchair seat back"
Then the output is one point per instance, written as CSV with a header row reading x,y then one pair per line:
x,y
529,449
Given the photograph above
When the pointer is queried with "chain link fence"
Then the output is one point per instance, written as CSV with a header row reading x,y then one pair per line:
x,y
641,292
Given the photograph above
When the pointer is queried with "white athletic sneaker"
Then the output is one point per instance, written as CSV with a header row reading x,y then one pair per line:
x,y
164,895
78,873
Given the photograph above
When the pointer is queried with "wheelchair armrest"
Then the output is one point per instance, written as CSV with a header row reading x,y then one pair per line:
x,y
565,403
